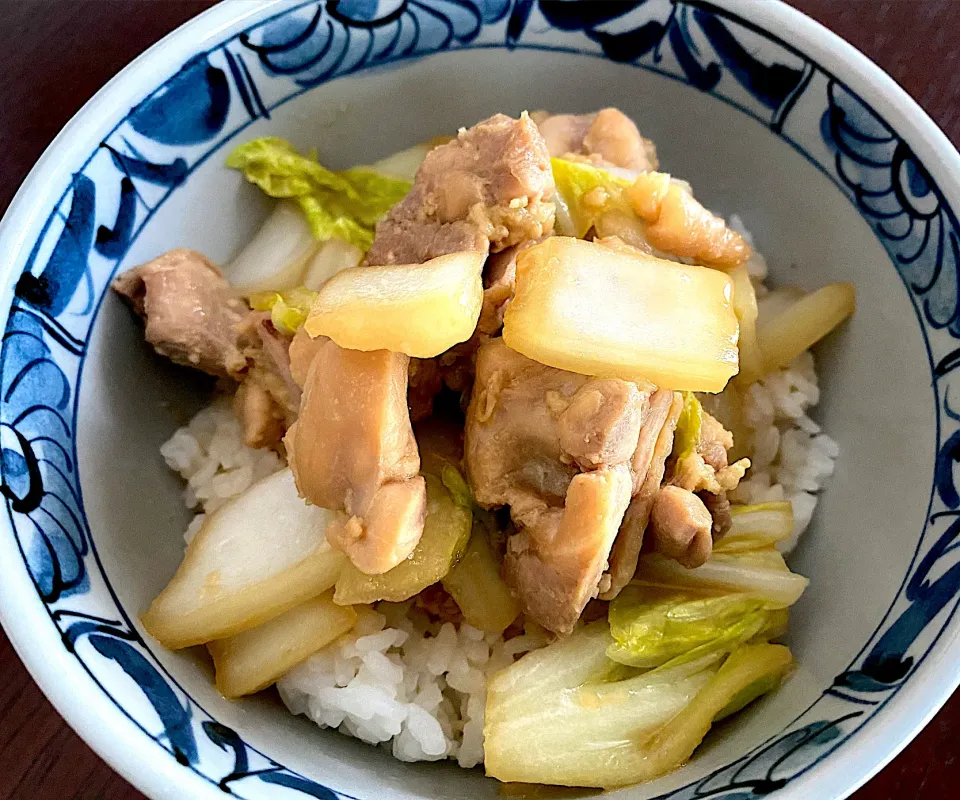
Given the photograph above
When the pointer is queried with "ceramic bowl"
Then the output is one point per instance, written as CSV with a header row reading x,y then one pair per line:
x,y
838,173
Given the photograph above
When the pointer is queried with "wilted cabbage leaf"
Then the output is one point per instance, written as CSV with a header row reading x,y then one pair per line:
x,y
756,527
256,658
687,436
419,309
457,486
259,555
288,310
476,584
346,205
588,192
762,574
568,715
651,625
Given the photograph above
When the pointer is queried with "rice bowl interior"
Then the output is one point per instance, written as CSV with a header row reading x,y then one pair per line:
x,y
784,201
438,596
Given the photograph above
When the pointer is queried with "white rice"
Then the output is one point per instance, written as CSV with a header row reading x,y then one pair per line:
x,y
210,456
418,687
791,457
400,680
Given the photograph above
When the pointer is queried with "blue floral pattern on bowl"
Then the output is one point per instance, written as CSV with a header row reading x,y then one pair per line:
x,y
217,94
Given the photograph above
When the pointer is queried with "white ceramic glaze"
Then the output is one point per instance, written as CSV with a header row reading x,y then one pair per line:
x,y
828,174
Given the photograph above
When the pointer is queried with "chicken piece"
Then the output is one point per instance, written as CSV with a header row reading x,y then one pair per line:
x,y
437,603
260,417
514,453
486,190
564,133
681,526
192,317
719,507
715,441
389,530
499,282
352,449
708,473
706,469
601,425
268,399
557,448
555,563
303,348
614,137
678,224
273,360
651,446
607,138
649,465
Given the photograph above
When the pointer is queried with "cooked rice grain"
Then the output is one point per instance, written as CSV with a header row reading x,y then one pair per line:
x,y
401,679
791,457
209,454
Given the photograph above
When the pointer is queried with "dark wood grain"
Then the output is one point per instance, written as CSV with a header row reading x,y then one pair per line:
x,y
55,55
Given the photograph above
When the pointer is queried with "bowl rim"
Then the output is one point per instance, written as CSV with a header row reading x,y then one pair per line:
x,y
99,722
118,742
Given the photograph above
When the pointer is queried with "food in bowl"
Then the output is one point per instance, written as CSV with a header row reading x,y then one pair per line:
x,y
511,441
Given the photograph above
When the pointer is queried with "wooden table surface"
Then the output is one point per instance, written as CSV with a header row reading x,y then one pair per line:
x,y
54,55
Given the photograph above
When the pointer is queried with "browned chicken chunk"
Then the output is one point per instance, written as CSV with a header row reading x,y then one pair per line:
x,y
648,467
557,448
706,469
268,399
301,352
261,418
719,507
352,449
681,526
555,561
487,189
272,358
708,473
192,317
601,424
607,138
499,283
678,224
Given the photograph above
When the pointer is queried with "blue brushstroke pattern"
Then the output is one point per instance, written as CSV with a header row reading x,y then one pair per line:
x,y
172,174
771,84
113,242
190,108
568,16
53,288
174,716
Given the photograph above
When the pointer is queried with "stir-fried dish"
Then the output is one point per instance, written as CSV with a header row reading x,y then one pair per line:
x,y
509,442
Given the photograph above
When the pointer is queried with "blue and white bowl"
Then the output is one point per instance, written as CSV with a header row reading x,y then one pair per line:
x,y
838,173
